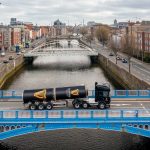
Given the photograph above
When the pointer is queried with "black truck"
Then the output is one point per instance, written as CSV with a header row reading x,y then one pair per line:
x,y
41,99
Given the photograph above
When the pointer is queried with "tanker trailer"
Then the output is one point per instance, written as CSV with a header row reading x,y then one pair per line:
x,y
44,98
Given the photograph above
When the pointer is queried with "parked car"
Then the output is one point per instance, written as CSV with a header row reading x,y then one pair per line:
x,y
118,58
11,58
19,53
3,54
5,61
124,60
111,54
23,51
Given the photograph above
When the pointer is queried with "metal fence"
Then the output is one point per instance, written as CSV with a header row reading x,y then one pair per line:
x,y
17,94
125,94
74,114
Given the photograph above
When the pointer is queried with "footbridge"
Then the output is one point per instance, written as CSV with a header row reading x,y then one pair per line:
x,y
70,37
55,47
19,122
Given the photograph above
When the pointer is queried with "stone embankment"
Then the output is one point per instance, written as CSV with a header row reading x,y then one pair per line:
x,y
7,70
120,75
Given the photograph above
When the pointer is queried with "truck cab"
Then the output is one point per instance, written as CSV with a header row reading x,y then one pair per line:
x,y
101,98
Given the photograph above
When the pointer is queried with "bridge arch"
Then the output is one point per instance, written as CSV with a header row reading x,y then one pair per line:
x,y
18,130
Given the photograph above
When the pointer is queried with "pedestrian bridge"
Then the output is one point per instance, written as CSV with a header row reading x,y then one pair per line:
x,y
19,122
56,48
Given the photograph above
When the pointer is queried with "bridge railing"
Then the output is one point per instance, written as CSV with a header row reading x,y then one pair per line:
x,y
11,94
125,94
131,94
75,114
17,94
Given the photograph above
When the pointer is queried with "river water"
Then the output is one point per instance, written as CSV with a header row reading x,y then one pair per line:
x,y
47,72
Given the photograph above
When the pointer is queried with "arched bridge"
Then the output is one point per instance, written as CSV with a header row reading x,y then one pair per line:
x,y
54,47
19,122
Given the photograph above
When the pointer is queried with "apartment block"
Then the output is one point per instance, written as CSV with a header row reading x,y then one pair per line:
x,y
16,36
143,41
5,37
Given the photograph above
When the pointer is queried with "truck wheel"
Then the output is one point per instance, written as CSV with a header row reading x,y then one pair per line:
x,y
40,106
76,105
85,105
32,107
101,105
49,106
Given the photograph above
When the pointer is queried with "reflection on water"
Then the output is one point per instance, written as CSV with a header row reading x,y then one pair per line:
x,y
62,62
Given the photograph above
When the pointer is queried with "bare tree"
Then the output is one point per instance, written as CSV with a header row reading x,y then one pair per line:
x,y
83,31
130,46
113,45
89,38
102,34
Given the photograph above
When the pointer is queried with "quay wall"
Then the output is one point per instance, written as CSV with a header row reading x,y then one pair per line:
x,y
7,70
122,76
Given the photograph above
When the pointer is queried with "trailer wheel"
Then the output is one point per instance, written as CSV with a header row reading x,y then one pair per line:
x,y
76,105
32,107
40,106
49,106
85,105
108,106
101,105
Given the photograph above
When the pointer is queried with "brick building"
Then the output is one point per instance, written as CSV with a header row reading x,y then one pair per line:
x,y
5,37
16,36
44,31
143,41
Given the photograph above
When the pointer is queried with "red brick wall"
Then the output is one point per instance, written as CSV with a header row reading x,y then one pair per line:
x,y
15,37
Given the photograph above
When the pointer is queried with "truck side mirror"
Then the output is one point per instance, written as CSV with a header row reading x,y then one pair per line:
x,y
96,84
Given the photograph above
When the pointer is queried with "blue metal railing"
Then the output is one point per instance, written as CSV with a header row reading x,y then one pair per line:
x,y
75,114
17,94
19,122
11,94
125,94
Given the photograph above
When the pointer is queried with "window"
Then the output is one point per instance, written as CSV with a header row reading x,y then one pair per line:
x,y
105,94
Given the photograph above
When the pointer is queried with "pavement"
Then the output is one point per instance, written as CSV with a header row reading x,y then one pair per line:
x,y
115,105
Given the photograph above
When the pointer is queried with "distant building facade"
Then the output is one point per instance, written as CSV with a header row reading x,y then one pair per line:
x,y
16,36
60,28
5,37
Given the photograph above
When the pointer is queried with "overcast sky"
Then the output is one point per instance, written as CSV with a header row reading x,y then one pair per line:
x,y
74,11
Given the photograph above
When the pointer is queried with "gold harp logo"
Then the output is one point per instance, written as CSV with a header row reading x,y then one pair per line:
x,y
40,94
75,92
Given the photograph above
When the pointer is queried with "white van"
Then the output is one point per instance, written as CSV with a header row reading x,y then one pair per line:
x,y
2,54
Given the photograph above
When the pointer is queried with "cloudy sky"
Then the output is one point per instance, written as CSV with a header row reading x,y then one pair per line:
x,y
74,11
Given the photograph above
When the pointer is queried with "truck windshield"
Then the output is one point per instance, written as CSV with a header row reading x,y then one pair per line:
x,y
105,94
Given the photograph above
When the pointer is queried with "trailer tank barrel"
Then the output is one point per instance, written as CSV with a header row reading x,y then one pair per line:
x,y
71,92
59,93
38,95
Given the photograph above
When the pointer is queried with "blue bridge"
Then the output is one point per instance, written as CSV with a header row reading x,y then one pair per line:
x,y
19,122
